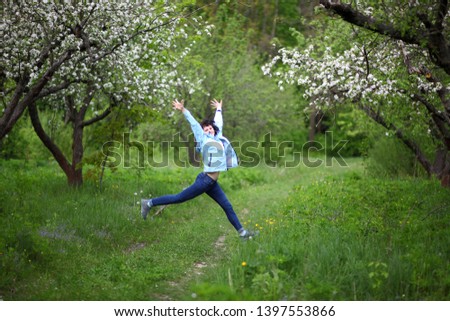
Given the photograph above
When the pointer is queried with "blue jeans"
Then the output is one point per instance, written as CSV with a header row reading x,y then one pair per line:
x,y
203,184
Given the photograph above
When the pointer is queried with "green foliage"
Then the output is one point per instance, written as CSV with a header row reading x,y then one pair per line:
x,y
22,143
13,145
265,21
390,158
347,123
346,126
229,65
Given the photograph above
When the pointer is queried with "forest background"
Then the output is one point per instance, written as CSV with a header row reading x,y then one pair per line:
x,y
352,108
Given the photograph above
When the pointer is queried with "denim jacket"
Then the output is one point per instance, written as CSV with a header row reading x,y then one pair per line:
x,y
218,154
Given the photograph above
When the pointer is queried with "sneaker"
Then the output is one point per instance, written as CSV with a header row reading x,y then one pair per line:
x,y
248,235
145,208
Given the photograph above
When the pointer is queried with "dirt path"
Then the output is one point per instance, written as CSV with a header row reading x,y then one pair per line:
x,y
250,203
175,290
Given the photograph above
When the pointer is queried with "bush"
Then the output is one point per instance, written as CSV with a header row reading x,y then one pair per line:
x,y
389,157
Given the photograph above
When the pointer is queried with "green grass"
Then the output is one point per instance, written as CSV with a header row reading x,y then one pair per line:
x,y
327,233
343,236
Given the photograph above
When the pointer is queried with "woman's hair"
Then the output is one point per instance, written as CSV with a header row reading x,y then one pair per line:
x,y
210,122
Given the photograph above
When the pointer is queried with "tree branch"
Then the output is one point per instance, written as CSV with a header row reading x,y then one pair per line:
x,y
432,37
441,13
413,146
438,119
46,140
98,117
90,92
16,108
54,89
353,16
7,118
113,103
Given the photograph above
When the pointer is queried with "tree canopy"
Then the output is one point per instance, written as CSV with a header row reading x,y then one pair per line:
x,y
393,68
84,62
86,59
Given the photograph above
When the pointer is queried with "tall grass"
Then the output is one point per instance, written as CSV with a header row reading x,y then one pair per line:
x,y
60,243
324,234
345,237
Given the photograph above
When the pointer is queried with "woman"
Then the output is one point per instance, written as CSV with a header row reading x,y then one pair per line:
x,y
218,156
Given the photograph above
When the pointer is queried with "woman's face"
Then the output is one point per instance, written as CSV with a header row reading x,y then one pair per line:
x,y
208,130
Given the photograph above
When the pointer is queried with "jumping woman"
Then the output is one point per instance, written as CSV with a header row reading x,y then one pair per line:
x,y
218,156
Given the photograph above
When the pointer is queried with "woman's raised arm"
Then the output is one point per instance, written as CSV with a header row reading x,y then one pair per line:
x,y
195,126
218,119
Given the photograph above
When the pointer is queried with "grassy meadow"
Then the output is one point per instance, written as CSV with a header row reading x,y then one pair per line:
x,y
325,233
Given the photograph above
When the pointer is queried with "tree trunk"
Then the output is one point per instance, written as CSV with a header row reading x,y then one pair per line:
x,y
73,174
76,175
275,18
312,124
441,166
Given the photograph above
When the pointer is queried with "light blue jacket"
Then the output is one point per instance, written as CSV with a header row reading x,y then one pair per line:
x,y
218,154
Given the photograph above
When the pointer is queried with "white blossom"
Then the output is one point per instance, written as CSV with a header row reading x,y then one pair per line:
x,y
117,62
332,76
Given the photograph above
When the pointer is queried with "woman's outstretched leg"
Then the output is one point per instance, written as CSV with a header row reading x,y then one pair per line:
x,y
202,183
217,194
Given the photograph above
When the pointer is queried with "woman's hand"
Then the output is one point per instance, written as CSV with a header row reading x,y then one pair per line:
x,y
215,104
178,105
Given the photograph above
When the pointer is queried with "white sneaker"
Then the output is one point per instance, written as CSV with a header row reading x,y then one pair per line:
x,y
145,207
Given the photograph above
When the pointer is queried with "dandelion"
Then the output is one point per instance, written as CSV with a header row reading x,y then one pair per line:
x,y
244,264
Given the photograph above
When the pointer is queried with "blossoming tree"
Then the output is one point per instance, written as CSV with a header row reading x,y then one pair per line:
x,y
396,69
83,60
